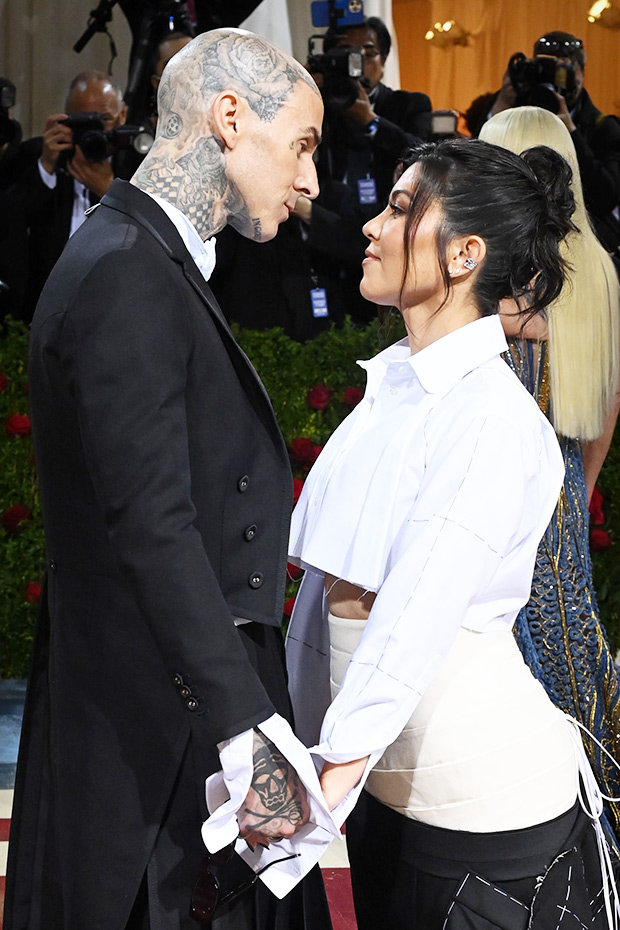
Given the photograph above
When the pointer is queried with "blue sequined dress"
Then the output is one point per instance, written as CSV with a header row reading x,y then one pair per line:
x,y
559,631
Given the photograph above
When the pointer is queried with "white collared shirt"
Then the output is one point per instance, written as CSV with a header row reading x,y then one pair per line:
x,y
435,493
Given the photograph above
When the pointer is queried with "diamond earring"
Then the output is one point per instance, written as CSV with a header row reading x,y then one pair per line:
x,y
470,264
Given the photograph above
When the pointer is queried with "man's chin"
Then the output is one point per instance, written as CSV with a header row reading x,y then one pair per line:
x,y
255,229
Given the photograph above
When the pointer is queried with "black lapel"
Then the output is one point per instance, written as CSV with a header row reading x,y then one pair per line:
x,y
128,199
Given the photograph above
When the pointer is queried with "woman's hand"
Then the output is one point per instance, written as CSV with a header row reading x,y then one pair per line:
x,y
337,779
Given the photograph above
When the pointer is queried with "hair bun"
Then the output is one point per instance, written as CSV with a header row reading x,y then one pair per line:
x,y
554,176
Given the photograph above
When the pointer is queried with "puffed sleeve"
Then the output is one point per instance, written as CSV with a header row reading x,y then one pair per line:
x,y
487,493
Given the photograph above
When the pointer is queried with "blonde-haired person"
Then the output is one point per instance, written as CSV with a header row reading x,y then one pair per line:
x,y
570,364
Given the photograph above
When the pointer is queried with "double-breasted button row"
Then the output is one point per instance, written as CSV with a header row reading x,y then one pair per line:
x,y
250,532
255,580
243,483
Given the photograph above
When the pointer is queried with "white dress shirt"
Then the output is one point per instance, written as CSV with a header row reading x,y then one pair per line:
x,y
435,493
81,197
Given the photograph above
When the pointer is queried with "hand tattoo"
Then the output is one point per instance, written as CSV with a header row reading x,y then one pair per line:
x,y
276,799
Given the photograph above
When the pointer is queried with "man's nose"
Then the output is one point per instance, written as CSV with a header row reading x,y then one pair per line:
x,y
307,183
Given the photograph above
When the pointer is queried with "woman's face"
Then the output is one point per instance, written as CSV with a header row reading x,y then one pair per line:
x,y
385,256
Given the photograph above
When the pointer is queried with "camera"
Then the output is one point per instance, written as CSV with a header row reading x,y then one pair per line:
x,y
97,143
537,80
10,129
340,68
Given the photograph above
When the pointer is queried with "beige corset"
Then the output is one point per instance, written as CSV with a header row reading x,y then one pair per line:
x,y
484,750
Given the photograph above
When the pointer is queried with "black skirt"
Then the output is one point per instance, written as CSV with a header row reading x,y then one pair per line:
x,y
408,875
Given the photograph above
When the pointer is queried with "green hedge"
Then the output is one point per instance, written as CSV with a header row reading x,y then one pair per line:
x,y
312,387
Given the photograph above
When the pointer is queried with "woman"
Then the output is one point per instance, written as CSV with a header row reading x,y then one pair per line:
x,y
570,365
422,518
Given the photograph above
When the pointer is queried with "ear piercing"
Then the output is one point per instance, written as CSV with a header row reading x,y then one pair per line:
x,y
470,264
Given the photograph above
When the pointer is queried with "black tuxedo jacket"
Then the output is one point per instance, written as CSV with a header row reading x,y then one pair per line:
x,y
166,494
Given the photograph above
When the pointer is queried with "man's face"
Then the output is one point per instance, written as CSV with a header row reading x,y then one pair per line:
x,y
367,39
272,166
98,97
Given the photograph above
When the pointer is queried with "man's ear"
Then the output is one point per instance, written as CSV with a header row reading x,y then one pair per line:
x,y
465,254
225,113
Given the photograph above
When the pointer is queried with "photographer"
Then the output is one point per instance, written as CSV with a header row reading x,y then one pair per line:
x,y
54,183
361,144
595,135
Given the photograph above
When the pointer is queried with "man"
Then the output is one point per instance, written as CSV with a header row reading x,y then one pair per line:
x,y
361,147
596,138
595,135
166,494
54,184
313,267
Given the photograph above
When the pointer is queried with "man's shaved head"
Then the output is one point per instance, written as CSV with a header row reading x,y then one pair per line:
x,y
238,123
232,59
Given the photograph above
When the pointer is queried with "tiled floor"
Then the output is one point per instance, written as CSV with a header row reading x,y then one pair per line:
x,y
334,863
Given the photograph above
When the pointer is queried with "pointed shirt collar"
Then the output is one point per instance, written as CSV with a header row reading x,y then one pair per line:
x,y
443,363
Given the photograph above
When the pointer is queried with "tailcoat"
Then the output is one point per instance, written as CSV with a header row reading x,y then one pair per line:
x,y
166,493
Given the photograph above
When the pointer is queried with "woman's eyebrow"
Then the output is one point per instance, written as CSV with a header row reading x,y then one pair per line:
x,y
401,190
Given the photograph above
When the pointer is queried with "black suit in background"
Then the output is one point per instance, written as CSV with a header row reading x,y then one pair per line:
x,y
166,493
348,153
35,225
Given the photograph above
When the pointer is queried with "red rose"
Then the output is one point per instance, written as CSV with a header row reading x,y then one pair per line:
x,y
3,381
294,571
352,397
18,424
596,508
33,592
316,452
297,488
319,397
287,610
303,451
599,539
13,518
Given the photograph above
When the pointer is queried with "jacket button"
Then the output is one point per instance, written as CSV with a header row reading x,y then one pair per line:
x,y
243,484
185,691
178,680
53,566
192,704
250,532
255,580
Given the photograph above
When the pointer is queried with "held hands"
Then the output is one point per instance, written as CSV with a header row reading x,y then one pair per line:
x,y
95,175
338,779
276,804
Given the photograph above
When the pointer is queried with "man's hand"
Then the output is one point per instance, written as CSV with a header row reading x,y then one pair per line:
x,y
506,97
57,138
95,175
563,113
276,805
361,111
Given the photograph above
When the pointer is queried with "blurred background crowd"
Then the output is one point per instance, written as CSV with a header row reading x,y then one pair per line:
x,y
78,108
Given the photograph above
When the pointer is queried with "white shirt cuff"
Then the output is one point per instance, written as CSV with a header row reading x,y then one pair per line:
x,y
48,179
226,791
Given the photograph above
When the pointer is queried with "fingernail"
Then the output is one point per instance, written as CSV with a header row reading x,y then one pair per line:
x,y
250,845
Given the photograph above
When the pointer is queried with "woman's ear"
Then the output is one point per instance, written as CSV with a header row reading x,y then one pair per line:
x,y
465,254
225,113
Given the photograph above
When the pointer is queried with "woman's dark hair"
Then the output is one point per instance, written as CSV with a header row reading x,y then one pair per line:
x,y
520,206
